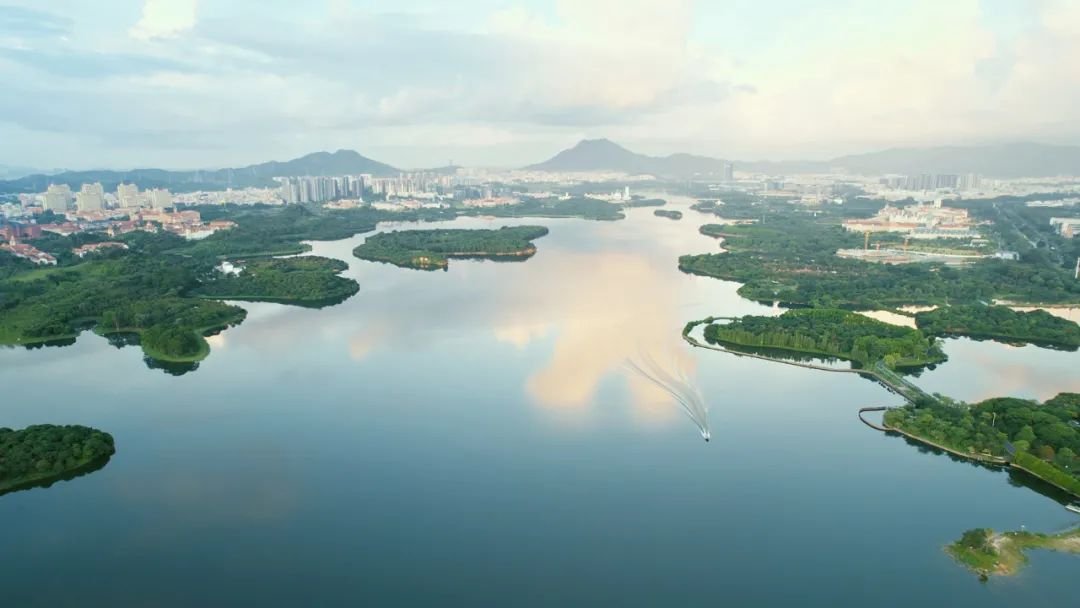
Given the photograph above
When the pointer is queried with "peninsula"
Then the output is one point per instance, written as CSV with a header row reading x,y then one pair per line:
x,y
985,552
311,281
830,333
1000,323
432,249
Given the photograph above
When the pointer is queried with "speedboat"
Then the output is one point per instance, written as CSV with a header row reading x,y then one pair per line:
x,y
1074,507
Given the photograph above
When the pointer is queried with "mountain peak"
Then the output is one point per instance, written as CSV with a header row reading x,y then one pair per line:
x,y
606,155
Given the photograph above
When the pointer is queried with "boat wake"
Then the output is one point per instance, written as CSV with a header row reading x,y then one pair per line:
x,y
676,384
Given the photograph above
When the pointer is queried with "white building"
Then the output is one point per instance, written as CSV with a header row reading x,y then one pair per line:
x,y
58,198
160,198
91,197
128,196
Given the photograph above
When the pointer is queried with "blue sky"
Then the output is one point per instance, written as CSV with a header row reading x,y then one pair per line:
x,y
206,83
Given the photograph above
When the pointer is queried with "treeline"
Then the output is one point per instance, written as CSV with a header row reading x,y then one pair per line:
x,y
432,248
1043,438
794,262
1000,322
137,291
580,207
47,451
306,280
833,333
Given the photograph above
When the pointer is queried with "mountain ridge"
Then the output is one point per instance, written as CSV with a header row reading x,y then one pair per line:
x,y
1011,160
340,162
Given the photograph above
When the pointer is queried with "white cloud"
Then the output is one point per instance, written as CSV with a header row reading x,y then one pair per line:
x,y
165,19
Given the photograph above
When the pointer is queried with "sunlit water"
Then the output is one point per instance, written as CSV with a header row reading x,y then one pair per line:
x,y
474,438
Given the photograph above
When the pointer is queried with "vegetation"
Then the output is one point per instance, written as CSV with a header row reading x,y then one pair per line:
x,y
789,256
985,553
832,333
1041,438
46,452
580,207
267,231
431,249
1000,323
123,292
668,213
306,281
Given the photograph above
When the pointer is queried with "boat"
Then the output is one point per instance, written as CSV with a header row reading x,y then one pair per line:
x,y
1074,507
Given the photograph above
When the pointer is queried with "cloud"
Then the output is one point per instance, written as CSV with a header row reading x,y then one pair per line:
x,y
164,19
436,81
28,22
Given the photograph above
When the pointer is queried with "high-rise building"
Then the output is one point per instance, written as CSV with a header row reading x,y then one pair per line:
x,y
58,198
128,196
160,198
729,172
91,197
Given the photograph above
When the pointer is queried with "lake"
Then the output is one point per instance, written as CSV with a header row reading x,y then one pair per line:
x,y
475,437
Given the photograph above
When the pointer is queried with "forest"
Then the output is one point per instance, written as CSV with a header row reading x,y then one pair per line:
x,y
1000,323
304,281
832,333
431,249
792,260
1043,438
46,451
580,207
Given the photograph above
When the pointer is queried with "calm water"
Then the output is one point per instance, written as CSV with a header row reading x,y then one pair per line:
x,y
473,438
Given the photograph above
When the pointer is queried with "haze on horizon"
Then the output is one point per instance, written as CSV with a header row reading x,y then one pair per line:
x,y
210,83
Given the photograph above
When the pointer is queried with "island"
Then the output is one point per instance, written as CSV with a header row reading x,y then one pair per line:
x,y
432,249
985,552
42,454
1000,323
311,281
671,214
830,333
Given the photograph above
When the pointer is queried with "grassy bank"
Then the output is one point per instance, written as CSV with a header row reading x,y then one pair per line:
x,y
987,553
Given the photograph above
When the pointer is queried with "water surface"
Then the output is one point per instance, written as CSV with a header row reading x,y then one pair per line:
x,y
473,438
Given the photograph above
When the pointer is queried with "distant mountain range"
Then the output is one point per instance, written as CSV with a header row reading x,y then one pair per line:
x,y
342,162
1003,160
606,155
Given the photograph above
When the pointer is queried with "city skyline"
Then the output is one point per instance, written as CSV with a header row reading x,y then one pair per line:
x,y
186,84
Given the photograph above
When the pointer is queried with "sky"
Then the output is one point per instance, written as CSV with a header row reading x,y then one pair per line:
x,y
416,83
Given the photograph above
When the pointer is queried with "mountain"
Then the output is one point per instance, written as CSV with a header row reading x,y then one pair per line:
x,y
1000,160
15,172
606,155
342,162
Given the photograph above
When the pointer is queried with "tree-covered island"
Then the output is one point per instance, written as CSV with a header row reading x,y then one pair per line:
x,y
671,214
38,455
1000,323
432,249
830,333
